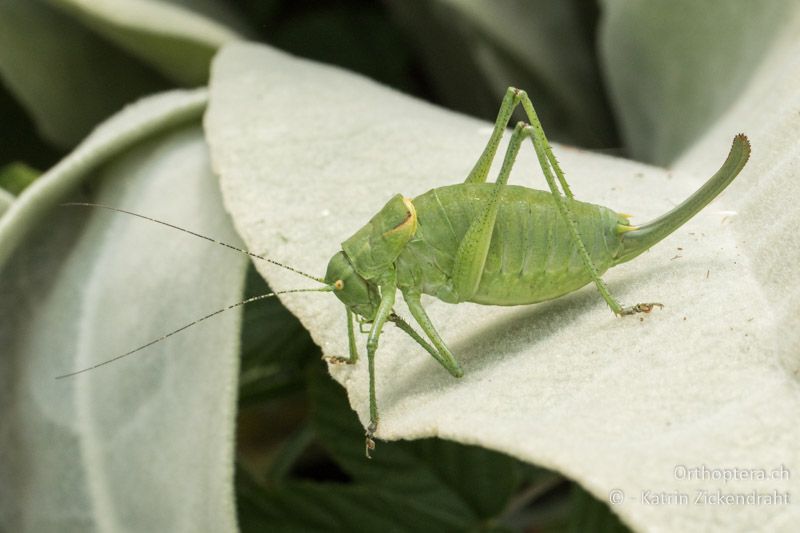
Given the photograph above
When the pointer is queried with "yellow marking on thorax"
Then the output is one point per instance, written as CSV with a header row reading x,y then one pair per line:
x,y
410,223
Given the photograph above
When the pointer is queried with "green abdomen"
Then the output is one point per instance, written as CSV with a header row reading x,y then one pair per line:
x,y
531,257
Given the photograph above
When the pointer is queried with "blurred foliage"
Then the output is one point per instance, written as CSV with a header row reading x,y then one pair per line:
x,y
357,35
14,177
467,68
19,140
66,76
640,41
472,51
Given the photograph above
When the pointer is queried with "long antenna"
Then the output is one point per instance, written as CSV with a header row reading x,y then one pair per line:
x,y
173,226
327,288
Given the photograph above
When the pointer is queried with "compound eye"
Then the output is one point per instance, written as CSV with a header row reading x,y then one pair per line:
x,y
338,285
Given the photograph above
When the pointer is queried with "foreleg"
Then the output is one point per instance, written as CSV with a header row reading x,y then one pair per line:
x,y
388,288
351,342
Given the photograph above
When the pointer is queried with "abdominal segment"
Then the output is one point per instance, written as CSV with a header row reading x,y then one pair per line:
x,y
532,256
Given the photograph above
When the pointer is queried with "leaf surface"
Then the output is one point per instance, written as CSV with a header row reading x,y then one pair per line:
x,y
133,124
308,153
673,68
178,40
145,443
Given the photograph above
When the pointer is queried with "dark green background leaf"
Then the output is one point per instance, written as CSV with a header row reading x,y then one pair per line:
x,y
14,177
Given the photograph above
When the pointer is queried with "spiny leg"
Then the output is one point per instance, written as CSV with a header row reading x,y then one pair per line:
x,y
527,105
512,98
445,356
351,341
480,171
542,148
388,288
471,254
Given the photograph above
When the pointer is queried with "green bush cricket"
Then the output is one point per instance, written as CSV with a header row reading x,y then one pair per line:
x,y
462,243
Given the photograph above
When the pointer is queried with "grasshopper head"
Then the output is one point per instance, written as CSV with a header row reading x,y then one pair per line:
x,y
358,294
